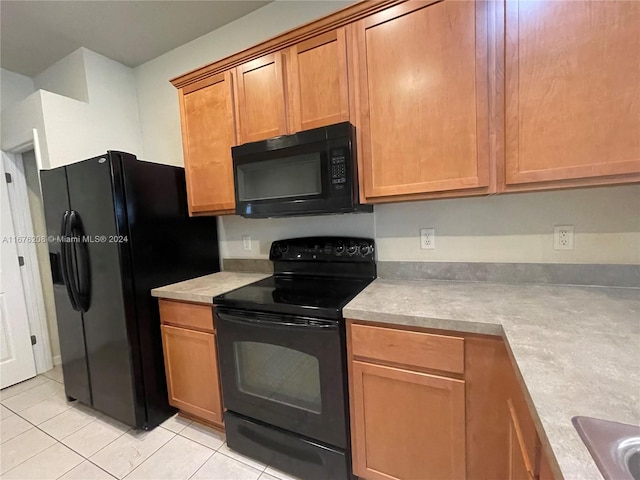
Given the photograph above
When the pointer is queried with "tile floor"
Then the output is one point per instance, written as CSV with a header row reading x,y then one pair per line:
x,y
45,437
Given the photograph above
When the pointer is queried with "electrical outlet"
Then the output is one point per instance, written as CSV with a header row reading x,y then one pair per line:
x,y
246,243
563,237
427,238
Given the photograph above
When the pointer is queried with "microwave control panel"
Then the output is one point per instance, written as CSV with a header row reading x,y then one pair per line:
x,y
338,169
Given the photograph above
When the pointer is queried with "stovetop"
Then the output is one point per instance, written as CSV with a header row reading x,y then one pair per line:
x,y
314,277
322,297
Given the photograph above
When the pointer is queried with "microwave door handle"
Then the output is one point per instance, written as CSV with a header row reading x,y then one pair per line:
x,y
266,320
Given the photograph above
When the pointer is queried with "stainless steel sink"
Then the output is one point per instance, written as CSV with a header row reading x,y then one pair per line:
x,y
633,465
614,446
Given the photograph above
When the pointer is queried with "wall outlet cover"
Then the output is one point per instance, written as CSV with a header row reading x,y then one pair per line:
x,y
246,243
427,238
563,237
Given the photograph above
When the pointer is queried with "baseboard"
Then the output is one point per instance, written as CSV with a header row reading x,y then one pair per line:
x,y
57,360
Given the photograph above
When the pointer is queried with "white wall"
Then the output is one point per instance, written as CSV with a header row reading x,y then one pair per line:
x,y
158,99
18,122
13,88
69,129
66,77
77,130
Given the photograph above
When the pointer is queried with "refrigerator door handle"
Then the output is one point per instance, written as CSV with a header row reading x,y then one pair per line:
x,y
65,257
82,291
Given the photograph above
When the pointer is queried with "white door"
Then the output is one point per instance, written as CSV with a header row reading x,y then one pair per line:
x,y
16,353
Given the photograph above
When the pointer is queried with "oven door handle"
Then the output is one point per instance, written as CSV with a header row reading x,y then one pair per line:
x,y
274,320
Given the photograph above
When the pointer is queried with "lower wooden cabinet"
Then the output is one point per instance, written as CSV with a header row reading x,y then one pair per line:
x,y
406,424
456,411
191,360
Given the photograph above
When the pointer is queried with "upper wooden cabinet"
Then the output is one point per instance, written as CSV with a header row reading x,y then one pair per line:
x,y
422,99
449,98
260,98
572,93
208,132
302,87
317,87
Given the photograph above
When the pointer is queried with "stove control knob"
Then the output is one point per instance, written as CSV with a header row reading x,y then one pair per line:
x,y
365,249
283,248
339,248
352,249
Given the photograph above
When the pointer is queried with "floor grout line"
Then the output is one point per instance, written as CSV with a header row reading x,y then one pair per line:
x,y
52,379
244,463
38,403
200,443
100,416
67,446
36,427
102,448
27,380
73,468
24,391
213,452
152,453
201,466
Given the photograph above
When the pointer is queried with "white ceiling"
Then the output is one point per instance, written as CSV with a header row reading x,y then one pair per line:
x,y
36,34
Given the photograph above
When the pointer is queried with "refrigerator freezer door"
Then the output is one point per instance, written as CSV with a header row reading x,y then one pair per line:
x,y
91,196
70,326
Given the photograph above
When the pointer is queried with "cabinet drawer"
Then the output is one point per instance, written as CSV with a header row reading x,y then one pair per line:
x,y
187,315
417,349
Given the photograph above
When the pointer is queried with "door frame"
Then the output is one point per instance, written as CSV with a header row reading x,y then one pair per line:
x,y
31,275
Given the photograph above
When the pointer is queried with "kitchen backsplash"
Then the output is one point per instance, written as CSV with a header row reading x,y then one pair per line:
x,y
515,228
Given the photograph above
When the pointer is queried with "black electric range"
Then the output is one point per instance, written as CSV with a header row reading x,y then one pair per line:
x,y
282,354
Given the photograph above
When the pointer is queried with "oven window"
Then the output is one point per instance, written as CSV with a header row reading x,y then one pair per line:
x,y
278,374
296,176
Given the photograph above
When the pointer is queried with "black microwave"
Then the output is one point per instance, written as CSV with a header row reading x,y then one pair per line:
x,y
313,172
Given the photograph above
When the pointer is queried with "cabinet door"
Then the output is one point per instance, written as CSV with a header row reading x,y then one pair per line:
x,y
260,98
192,372
572,91
422,108
208,132
317,81
406,425
521,465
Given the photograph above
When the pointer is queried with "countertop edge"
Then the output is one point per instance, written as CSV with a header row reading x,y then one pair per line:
x,y
186,297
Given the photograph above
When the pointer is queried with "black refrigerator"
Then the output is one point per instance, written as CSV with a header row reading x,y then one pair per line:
x,y
118,227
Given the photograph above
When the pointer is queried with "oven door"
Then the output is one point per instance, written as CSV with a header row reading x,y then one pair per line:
x,y
285,371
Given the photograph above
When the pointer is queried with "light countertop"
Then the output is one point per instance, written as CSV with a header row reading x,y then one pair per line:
x,y
203,289
577,348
